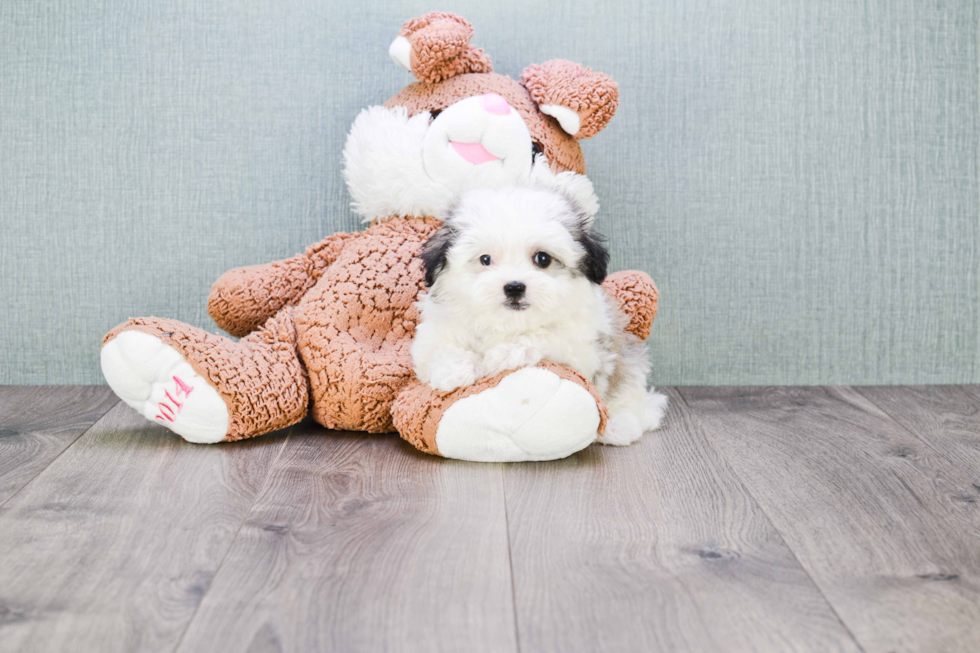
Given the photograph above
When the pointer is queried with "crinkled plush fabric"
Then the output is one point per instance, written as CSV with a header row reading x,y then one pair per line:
x,y
331,328
260,378
562,150
356,324
419,409
441,47
637,295
243,298
354,328
593,96
449,69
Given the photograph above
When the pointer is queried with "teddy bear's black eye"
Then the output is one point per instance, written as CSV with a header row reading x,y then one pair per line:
x,y
542,259
485,259
434,114
536,149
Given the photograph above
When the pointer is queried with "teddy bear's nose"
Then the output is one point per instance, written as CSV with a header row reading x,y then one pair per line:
x,y
495,104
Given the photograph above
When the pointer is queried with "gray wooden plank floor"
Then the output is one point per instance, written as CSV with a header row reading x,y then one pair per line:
x,y
113,545
656,547
38,423
871,511
756,519
361,543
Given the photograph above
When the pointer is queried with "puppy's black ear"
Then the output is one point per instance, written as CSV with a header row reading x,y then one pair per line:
x,y
434,252
596,260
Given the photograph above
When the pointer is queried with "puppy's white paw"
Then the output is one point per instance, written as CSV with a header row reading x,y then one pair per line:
x,y
509,357
621,429
159,384
632,419
448,375
656,407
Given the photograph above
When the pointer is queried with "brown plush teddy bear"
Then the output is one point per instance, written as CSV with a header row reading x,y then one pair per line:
x,y
330,329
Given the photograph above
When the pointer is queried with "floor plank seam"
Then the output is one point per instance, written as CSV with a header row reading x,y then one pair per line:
x,y
60,454
231,543
510,564
765,513
901,424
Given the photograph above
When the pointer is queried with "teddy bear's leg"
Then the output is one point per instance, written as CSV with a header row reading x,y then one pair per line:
x,y
241,300
543,412
204,387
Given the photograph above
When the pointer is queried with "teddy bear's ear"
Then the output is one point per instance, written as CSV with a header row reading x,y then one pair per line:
x,y
580,100
437,46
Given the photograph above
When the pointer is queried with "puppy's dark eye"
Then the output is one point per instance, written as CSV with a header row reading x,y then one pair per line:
x,y
485,259
542,259
536,149
434,114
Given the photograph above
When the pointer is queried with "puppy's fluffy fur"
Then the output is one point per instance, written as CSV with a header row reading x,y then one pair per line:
x,y
513,278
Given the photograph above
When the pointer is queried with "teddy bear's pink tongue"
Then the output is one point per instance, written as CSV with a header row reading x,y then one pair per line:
x,y
475,153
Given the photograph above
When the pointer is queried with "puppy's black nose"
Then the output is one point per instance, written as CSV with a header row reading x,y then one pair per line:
x,y
514,289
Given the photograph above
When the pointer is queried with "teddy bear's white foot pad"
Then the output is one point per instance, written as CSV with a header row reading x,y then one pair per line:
x,y
532,414
158,383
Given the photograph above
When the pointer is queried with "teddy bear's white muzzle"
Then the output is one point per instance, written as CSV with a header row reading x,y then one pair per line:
x,y
478,141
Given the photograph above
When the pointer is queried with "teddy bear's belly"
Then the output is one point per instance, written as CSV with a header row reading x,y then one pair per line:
x,y
355,326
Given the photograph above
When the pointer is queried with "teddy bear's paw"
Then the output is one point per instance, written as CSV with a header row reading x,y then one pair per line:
x,y
158,383
532,414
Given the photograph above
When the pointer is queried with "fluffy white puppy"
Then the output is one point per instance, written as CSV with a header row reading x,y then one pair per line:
x,y
514,277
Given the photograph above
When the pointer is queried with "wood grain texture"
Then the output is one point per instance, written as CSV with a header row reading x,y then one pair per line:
x,y
656,547
947,418
113,545
360,543
873,513
38,423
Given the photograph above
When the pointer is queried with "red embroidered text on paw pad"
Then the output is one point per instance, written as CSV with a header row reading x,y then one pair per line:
x,y
170,410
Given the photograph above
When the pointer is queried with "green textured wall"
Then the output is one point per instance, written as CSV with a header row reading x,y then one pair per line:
x,y
799,176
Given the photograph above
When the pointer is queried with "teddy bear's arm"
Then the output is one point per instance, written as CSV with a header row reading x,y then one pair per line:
x,y
637,296
242,299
